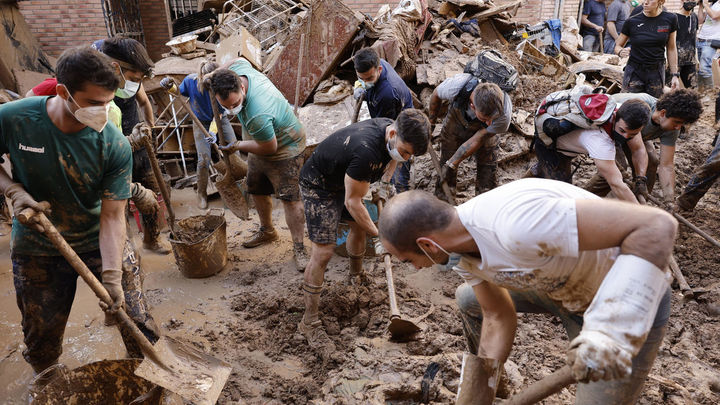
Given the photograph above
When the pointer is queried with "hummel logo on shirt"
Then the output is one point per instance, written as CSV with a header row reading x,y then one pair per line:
x,y
31,149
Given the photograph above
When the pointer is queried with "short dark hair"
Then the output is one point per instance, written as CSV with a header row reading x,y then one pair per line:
x,y
683,104
411,215
79,66
635,113
129,51
413,127
223,82
366,59
488,99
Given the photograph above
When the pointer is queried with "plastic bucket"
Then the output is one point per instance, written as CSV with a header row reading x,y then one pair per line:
x,y
201,247
102,382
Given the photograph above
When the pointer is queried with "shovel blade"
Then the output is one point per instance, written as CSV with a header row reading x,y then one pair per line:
x,y
232,196
190,373
402,329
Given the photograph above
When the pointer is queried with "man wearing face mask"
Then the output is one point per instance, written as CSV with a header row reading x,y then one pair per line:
x,y
63,152
274,140
386,95
477,113
555,162
333,183
667,115
542,246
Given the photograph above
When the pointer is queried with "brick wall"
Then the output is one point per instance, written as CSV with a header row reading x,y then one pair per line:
x,y
152,13
61,24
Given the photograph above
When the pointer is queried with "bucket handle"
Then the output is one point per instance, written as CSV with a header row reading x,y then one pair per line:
x,y
211,210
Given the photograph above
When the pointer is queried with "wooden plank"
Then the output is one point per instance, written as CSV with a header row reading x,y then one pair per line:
x,y
497,10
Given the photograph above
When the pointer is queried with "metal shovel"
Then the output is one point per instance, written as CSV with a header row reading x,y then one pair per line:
x,y
190,373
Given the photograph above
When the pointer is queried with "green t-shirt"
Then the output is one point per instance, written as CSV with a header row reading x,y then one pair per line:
x,y
73,172
267,114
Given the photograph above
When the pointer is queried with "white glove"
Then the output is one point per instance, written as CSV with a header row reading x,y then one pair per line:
x,y
379,248
618,319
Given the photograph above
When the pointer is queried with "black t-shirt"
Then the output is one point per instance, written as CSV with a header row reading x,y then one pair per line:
x,y
686,37
358,150
129,110
649,36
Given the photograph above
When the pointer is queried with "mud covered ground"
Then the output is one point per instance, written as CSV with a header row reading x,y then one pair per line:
x,y
247,315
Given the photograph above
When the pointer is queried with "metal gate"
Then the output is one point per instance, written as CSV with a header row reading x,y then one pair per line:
x,y
122,19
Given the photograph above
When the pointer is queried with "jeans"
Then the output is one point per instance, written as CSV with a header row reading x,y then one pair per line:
x,y
202,146
623,391
401,177
591,43
705,56
701,180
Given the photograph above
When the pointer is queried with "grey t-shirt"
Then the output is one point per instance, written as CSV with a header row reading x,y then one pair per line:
x,y
450,87
618,12
651,130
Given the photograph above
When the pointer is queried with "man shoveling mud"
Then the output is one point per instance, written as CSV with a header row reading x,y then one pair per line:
x,y
537,245
63,152
333,183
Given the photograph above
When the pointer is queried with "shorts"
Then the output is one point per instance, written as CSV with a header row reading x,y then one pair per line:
x,y
266,177
323,212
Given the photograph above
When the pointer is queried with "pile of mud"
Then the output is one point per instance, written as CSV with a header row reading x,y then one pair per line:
x,y
196,228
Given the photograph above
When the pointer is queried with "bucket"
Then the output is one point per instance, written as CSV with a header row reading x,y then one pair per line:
x,y
344,230
183,44
201,245
102,382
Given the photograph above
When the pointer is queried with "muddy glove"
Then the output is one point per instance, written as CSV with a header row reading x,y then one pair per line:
x,y
21,199
145,200
230,148
358,90
447,171
112,281
618,320
136,138
640,188
167,83
379,248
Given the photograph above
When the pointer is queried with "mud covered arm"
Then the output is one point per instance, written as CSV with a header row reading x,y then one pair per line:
x,y
434,108
639,155
499,321
666,172
610,172
468,148
256,147
354,193
112,233
672,54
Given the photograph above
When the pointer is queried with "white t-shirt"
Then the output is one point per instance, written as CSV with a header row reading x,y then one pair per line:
x,y
526,232
593,142
710,28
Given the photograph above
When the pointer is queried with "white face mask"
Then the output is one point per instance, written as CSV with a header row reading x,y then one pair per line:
x,y
234,111
96,117
130,88
437,246
366,85
394,153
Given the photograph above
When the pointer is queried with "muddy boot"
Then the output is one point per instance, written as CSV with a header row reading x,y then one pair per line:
x,y
203,174
357,275
261,237
311,326
300,257
159,245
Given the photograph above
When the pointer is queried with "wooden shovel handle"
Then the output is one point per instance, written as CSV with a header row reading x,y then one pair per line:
x,y
29,215
685,222
394,311
542,389
161,182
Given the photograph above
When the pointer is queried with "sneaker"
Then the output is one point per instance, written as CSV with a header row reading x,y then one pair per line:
x,y
300,257
261,237
317,339
160,246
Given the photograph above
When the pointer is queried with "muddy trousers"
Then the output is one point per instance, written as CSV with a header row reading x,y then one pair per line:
x,y
142,173
624,391
597,184
644,78
453,134
701,180
45,290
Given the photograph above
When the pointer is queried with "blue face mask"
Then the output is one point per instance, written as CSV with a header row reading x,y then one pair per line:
x,y
395,153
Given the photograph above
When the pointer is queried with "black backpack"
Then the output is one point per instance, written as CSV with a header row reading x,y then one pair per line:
x,y
489,66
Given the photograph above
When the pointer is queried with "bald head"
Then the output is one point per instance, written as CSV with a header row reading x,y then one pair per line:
x,y
411,215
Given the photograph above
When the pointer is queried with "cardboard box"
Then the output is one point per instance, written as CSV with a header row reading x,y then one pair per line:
x,y
241,43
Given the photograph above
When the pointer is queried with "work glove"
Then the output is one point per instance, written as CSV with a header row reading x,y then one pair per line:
x,y
447,172
112,281
379,248
21,199
595,356
145,200
138,134
167,83
640,188
358,92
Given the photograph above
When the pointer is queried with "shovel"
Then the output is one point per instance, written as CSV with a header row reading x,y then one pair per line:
x,y
161,182
436,163
400,329
188,372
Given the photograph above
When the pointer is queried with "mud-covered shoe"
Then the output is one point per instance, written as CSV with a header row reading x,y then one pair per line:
x,y
300,257
261,237
160,246
317,339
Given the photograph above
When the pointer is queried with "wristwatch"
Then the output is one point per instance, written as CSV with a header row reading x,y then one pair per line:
x,y
676,74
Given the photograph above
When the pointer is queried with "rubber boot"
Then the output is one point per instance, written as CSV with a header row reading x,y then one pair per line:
x,y
704,83
203,173
311,326
357,275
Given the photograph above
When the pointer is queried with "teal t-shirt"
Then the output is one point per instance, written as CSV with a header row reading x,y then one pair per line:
x,y
73,172
266,113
